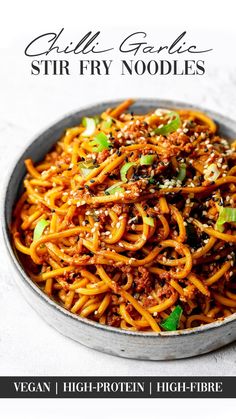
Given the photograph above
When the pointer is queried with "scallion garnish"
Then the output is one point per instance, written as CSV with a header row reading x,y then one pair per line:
x,y
146,160
96,119
124,170
171,126
115,188
182,172
100,142
226,215
90,126
85,168
149,221
39,228
172,321
107,123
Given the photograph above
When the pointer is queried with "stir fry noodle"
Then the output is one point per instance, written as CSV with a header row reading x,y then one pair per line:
x,y
129,220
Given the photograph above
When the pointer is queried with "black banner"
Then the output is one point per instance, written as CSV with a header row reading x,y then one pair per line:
x,y
117,387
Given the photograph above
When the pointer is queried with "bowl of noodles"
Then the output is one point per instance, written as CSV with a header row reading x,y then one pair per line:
x,y
120,220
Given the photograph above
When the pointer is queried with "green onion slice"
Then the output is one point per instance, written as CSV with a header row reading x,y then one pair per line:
x,y
107,123
115,188
100,142
226,215
124,170
39,229
96,119
171,126
182,172
149,221
85,168
90,126
146,160
172,321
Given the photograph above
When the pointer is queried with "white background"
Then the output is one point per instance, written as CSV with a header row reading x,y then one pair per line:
x,y
28,346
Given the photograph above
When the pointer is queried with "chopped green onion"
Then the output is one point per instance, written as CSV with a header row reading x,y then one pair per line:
x,y
115,188
39,229
146,160
172,321
124,170
151,180
85,168
211,173
149,221
90,126
171,126
107,123
96,119
182,172
100,142
226,215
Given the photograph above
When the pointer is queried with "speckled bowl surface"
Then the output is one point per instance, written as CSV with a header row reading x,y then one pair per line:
x,y
138,345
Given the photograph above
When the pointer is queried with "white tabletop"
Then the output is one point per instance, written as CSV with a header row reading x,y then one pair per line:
x,y
28,346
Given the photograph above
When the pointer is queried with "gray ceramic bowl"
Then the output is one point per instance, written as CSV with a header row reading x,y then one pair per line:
x,y
139,345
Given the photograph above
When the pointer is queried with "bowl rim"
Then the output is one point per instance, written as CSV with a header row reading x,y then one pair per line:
x,y
152,102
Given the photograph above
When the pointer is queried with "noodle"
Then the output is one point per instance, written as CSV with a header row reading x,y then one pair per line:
x,y
122,221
